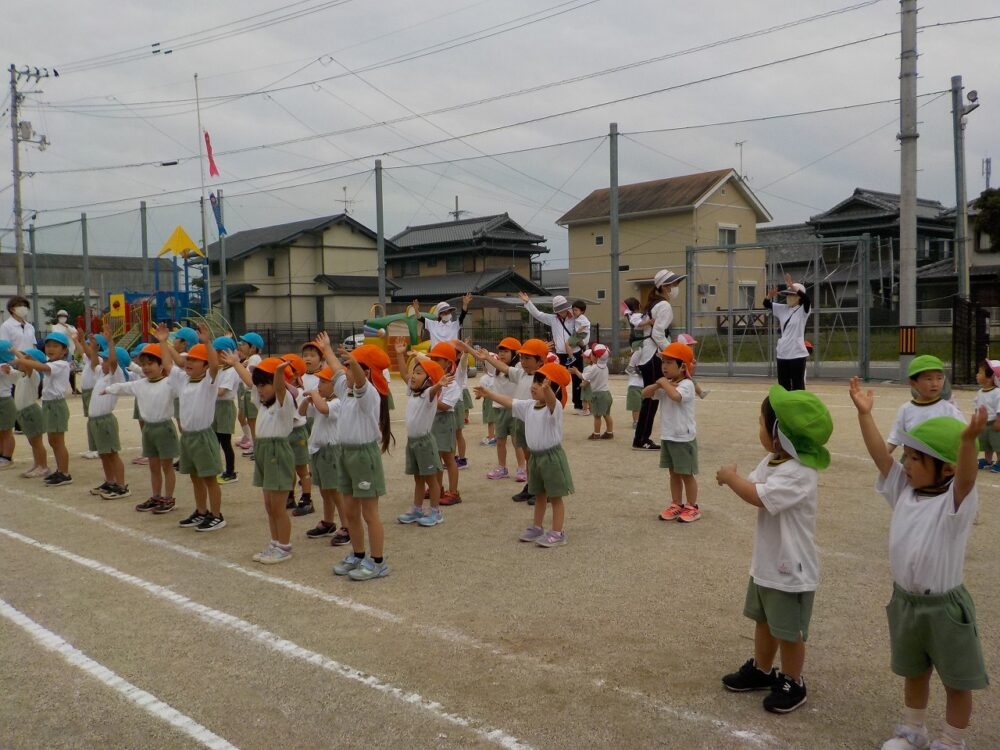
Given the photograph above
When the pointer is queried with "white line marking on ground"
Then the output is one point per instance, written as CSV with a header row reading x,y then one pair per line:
x,y
146,701
276,643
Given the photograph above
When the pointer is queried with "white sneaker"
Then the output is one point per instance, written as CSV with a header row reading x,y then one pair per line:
x,y
275,555
258,556
90,454
907,738
5,463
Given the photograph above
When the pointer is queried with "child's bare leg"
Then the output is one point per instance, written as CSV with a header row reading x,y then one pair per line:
x,y
276,512
330,505
690,482
676,488
106,467
793,656
7,443
156,473
502,452
541,503
460,442
214,495
418,490
635,416
765,647
491,430
38,454
376,533
57,441
958,707
200,494
272,527
451,467
305,478
558,512
609,423
597,424
253,428
352,511
434,487
169,476
117,469
522,457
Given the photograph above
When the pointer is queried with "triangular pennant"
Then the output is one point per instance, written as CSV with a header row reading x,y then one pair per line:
x,y
180,243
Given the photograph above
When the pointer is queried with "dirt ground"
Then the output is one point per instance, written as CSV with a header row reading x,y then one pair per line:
x,y
617,639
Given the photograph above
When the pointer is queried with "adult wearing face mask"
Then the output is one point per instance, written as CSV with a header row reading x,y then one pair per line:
x,y
16,329
666,287
441,323
792,314
62,326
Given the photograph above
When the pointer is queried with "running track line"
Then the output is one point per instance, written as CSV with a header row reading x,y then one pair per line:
x,y
278,644
146,701
451,635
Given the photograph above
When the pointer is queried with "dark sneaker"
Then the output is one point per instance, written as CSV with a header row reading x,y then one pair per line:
x,y
107,486
462,462
115,492
58,479
165,505
750,677
148,505
211,523
192,521
522,496
341,537
290,503
303,509
786,695
322,529
228,478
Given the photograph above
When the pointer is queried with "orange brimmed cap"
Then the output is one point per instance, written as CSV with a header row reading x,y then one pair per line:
x,y
198,351
297,364
269,365
153,350
558,375
509,343
312,345
324,373
677,350
534,348
444,350
375,360
434,371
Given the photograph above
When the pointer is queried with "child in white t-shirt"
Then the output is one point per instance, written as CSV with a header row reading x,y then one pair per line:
x,y
927,380
784,571
988,377
28,410
932,619
633,396
595,383
55,410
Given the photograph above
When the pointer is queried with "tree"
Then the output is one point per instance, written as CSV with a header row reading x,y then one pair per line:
x,y
988,220
72,305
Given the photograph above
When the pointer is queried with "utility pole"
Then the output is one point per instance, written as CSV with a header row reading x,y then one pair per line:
x,y
907,187
21,132
145,246
958,113
86,273
223,287
615,257
987,170
379,233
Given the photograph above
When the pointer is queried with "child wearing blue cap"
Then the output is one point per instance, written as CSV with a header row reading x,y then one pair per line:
x,y
228,381
8,412
928,384
88,378
250,346
102,424
784,570
55,410
932,618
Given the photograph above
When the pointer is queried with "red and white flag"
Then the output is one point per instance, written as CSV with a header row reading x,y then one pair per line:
x,y
213,171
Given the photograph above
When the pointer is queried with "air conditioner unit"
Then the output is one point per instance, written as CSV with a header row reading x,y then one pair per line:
x,y
703,289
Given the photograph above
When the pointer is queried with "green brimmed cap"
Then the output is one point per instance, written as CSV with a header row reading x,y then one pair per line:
x,y
938,437
804,425
924,363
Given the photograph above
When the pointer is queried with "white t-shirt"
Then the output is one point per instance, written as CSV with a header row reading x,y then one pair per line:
x,y
791,343
102,403
581,327
542,428
420,413
228,380
326,427
504,384
26,389
990,399
522,382
910,415
310,382
784,547
197,400
450,395
89,375
634,376
7,382
56,381
662,316
154,397
927,536
359,412
677,417
20,335
440,331
560,328
252,361
597,376
274,421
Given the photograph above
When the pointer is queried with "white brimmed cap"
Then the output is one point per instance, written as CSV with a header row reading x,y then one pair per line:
x,y
560,304
795,288
665,277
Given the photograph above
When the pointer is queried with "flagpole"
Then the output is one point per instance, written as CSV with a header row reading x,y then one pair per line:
x,y
206,274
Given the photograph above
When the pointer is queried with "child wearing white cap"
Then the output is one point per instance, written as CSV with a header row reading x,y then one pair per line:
x,y
595,376
988,377
441,323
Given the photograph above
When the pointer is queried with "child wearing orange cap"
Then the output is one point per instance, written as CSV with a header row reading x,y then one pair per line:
x,y
549,478
678,435
504,381
194,379
299,439
322,407
445,428
365,433
425,379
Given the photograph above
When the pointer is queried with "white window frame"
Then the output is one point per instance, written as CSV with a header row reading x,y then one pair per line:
x,y
720,228
742,297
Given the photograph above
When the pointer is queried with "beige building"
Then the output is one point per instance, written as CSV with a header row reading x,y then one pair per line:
x,y
658,220
319,271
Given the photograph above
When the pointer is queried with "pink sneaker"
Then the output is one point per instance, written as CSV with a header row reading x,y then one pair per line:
x,y
521,475
140,461
500,472
243,443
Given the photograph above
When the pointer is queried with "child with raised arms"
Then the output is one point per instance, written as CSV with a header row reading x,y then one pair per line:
x,y
425,379
250,347
299,439
8,411
102,424
29,411
322,406
88,377
932,618
501,362
595,376
228,383
445,427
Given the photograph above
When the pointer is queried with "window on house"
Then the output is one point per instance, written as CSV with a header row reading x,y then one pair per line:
x,y
410,268
727,235
712,291
747,295
432,262
270,266
601,293
598,239
454,264
536,272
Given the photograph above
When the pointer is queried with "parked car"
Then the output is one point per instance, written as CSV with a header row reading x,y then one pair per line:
x,y
351,342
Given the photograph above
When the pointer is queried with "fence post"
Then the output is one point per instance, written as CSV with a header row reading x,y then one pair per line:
x,y
864,311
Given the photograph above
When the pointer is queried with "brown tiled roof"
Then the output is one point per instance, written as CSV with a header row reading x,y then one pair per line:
x,y
646,197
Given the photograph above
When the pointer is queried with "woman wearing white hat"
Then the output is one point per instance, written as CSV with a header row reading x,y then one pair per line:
x,y
658,309
441,323
62,326
792,314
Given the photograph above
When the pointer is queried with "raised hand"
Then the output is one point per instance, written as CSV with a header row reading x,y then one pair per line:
x,y
204,335
864,401
323,339
162,333
401,347
976,424
523,296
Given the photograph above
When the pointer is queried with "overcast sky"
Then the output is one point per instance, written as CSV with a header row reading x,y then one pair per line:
x,y
329,76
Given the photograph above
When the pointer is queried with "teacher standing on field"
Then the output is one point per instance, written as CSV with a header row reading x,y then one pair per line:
x,y
791,315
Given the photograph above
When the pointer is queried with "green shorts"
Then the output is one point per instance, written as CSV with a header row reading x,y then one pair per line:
x,y
201,455
273,464
938,631
103,430
467,399
503,422
633,398
460,412
55,416
680,458
138,417
247,407
225,417
360,471
422,456
85,397
517,433
30,419
600,403
159,440
298,441
8,413
324,463
586,392
786,613
548,473
488,411
989,439
443,431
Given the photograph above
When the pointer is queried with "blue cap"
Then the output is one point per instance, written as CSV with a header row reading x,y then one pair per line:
x,y
102,342
59,338
254,339
5,353
136,350
121,354
188,335
36,354
224,344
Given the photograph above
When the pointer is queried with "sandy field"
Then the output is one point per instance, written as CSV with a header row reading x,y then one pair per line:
x,y
121,630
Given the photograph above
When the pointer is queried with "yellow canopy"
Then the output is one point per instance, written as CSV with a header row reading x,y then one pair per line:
x,y
180,243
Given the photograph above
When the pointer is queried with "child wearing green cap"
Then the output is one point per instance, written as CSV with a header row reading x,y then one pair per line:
x,y
784,570
932,619
927,381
